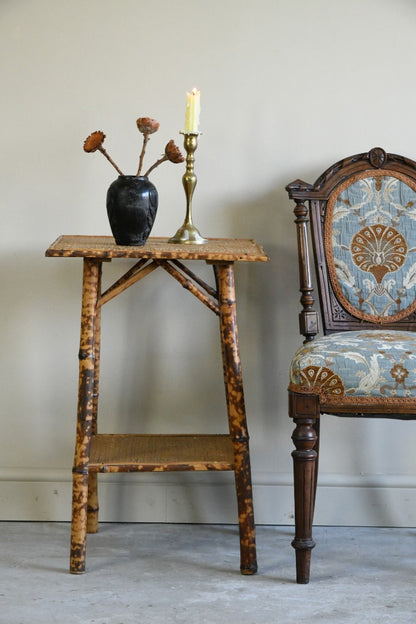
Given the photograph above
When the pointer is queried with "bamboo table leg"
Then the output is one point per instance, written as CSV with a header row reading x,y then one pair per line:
x,y
85,416
93,507
237,415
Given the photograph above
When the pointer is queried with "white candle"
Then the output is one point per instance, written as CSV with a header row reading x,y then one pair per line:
x,y
193,108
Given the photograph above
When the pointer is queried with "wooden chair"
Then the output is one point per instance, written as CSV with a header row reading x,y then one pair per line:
x,y
362,215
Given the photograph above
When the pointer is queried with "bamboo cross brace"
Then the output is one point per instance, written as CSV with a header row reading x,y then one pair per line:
x,y
133,275
189,285
211,291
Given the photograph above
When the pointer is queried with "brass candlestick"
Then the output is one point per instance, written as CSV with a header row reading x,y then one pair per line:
x,y
188,233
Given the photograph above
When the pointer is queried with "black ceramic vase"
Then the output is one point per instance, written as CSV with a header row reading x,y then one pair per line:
x,y
131,207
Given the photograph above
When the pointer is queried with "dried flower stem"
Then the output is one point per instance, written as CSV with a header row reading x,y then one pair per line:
x,y
102,150
156,164
145,140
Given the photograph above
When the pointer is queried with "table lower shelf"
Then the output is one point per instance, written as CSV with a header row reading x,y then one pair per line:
x,y
153,453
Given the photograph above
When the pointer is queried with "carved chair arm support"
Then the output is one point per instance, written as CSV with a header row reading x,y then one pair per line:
x,y
308,318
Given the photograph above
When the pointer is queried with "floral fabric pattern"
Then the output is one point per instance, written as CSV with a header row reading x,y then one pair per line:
x,y
355,364
370,239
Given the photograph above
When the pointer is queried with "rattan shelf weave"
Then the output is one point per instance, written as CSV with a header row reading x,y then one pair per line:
x,y
152,453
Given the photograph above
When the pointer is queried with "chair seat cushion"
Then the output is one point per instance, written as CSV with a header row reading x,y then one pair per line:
x,y
347,367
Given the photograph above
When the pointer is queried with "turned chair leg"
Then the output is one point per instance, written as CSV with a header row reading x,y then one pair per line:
x,y
317,427
304,410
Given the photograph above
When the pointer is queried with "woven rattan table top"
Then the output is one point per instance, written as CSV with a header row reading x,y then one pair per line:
x,y
216,249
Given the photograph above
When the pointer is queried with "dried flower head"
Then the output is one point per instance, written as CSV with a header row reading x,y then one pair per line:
x,y
94,141
173,152
146,125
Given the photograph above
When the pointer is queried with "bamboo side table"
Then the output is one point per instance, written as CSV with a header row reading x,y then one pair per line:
x,y
95,452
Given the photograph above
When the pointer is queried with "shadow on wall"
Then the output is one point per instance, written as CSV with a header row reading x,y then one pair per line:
x,y
161,359
39,331
268,300
160,366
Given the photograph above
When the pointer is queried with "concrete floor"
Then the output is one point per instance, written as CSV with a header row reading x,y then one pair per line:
x,y
188,574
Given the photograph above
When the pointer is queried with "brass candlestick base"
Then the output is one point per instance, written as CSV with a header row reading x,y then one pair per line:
x,y
188,233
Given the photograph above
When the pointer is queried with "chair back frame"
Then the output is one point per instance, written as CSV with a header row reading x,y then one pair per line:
x,y
312,201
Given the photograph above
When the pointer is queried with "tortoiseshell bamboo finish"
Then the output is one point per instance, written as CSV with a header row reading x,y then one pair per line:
x,y
96,452
237,414
85,419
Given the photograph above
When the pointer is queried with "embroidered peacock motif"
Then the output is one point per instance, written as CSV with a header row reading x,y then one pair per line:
x,y
374,269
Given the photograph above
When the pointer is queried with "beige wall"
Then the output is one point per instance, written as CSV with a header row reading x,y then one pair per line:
x,y
288,87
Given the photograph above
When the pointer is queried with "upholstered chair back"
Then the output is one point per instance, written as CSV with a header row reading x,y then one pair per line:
x,y
363,218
